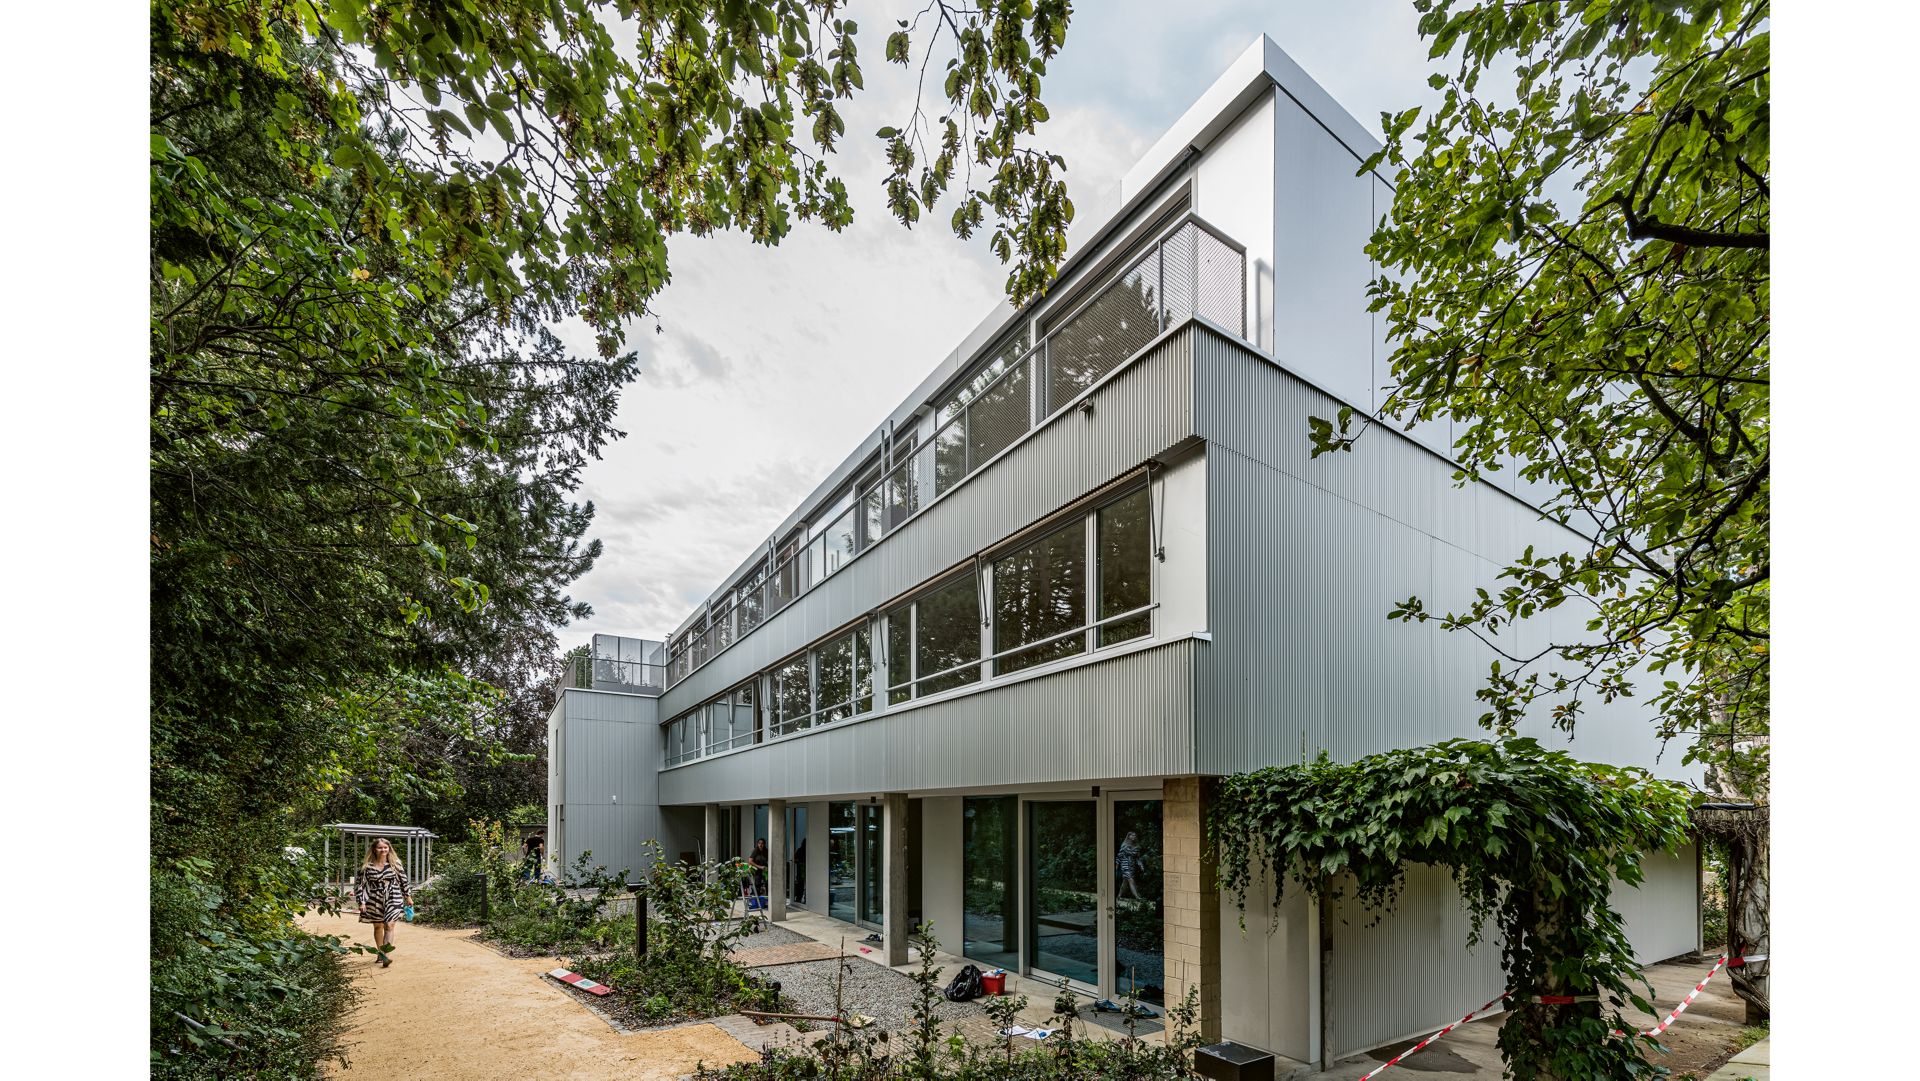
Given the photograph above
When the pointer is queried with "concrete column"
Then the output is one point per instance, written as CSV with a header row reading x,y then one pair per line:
x,y
1191,921
776,860
893,836
711,841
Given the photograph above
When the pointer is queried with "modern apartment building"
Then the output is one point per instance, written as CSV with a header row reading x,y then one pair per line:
x,y
988,672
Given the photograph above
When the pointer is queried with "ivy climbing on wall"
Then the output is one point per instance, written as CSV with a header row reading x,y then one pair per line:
x,y
1533,838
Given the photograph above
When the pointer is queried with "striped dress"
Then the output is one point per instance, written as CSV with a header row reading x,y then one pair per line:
x,y
383,893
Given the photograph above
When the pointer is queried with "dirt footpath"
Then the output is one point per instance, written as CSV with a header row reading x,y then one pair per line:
x,y
452,1008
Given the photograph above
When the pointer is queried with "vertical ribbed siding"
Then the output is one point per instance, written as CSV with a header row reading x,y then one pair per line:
x,y
1306,556
1130,716
609,754
1137,415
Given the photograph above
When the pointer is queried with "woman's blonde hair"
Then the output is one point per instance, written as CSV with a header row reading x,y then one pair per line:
x,y
393,854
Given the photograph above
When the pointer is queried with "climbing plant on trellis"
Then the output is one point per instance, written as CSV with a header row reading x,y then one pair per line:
x,y
1533,838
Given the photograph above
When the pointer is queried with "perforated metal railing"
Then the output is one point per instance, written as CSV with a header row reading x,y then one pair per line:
x,y
1191,269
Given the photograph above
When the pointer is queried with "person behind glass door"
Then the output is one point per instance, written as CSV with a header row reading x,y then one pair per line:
x,y
1130,862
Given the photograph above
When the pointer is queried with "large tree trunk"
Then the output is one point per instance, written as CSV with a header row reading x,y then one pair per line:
x,y
1747,923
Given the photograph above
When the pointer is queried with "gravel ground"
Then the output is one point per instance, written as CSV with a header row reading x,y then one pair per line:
x,y
770,935
880,993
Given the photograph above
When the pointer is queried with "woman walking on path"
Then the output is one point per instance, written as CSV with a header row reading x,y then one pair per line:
x,y
384,895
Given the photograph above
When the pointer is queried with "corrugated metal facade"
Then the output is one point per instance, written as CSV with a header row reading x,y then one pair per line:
x,y
608,754
1306,556
1138,414
1127,717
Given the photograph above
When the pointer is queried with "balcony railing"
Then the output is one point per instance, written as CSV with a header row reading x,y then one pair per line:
x,y
1191,269
614,663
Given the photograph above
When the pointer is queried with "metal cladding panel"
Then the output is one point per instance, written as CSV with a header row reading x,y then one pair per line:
x,y
610,750
1662,914
1411,972
1323,216
1306,557
1267,991
1129,716
1142,411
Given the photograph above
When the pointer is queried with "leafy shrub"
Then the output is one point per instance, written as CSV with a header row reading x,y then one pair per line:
x,y
240,991
690,929
924,1054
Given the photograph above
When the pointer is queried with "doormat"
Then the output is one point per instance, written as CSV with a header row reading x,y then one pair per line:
x,y
790,954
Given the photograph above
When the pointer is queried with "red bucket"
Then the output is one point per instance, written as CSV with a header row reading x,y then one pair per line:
x,y
994,984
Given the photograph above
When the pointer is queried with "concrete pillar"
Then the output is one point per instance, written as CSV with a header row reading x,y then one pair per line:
x,y
1191,921
710,851
777,860
893,836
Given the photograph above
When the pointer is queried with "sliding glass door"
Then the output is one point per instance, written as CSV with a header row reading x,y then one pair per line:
x,y
1138,931
990,867
840,861
872,870
1063,890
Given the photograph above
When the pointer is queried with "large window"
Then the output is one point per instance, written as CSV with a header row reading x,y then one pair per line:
x,y
947,637
1040,600
832,682
792,697
900,654
731,720
1084,584
1124,546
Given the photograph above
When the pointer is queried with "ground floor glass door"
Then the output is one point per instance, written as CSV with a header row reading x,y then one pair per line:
x,y
1138,939
872,865
796,854
841,859
991,869
1063,890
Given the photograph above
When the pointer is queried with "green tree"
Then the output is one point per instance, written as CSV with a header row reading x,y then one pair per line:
x,y
364,436
1575,272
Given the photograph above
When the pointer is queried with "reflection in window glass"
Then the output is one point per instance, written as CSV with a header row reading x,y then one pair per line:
x,y
949,636
988,861
791,696
837,543
899,654
833,663
863,669
1041,591
1126,566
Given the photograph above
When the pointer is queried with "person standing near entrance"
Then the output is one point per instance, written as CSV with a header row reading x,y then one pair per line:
x,y
758,862
384,895
1129,862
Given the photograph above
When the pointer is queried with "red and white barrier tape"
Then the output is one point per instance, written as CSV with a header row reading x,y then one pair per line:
x,y
1724,962
1395,1059
1562,1000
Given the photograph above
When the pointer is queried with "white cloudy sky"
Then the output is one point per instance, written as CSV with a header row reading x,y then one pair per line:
x,y
772,364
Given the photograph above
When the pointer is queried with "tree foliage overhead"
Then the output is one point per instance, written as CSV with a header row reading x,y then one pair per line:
x,y
1534,840
1575,272
366,218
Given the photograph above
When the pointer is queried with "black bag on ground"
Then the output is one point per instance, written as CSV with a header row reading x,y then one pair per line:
x,y
966,985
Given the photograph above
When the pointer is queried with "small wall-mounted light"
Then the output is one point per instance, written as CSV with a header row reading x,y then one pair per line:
x,y
1086,406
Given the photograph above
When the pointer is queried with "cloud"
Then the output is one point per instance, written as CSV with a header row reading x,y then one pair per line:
x,y
774,363
680,358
